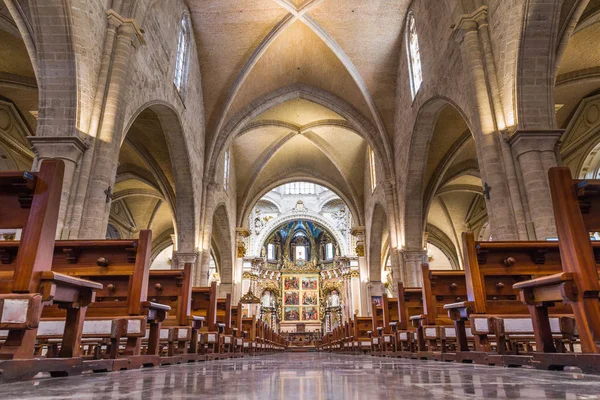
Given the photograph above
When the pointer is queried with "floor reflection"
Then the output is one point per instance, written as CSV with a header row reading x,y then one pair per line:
x,y
314,376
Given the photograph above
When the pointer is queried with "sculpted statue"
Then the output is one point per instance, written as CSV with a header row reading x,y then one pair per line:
x,y
258,223
341,220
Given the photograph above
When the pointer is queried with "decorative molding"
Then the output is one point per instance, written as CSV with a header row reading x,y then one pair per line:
x,y
295,215
68,148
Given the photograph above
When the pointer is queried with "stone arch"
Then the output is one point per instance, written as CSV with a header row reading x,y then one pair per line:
x,y
440,240
590,165
223,243
378,141
379,225
536,65
245,209
186,225
50,47
422,136
291,216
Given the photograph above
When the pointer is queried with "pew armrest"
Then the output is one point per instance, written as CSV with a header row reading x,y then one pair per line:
x,y
547,289
459,311
197,322
20,311
60,288
417,320
156,312
544,281
68,280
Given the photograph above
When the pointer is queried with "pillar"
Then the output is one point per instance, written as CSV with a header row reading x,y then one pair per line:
x,y
411,261
66,148
487,137
201,278
241,235
108,142
535,153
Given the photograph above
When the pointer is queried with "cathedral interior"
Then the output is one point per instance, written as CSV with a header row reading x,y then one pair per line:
x,y
313,167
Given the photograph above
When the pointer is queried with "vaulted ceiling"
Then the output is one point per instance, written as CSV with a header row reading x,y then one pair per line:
x,y
250,49
303,140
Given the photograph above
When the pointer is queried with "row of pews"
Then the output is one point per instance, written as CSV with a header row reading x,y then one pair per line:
x,y
76,306
531,304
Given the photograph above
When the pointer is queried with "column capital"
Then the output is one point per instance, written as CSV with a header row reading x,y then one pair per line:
x,y
69,148
183,258
126,25
523,141
210,184
468,23
412,255
242,232
359,233
358,230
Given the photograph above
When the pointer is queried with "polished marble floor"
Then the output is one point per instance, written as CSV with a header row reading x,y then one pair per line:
x,y
314,376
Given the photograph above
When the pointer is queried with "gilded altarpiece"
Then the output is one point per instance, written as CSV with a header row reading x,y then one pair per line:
x,y
301,300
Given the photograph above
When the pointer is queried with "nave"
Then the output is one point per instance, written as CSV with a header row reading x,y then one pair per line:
x,y
316,376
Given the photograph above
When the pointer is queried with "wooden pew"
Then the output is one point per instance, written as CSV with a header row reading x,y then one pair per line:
x,y
204,304
436,334
236,323
249,333
174,288
31,202
410,302
376,328
496,314
362,334
224,317
121,311
391,319
576,205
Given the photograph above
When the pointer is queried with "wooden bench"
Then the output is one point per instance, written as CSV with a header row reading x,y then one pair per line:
x,y
410,302
391,318
500,323
122,312
363,329
376,328
180,329
436,334
227,343
236,323
576,205
249,328
31,202
204,304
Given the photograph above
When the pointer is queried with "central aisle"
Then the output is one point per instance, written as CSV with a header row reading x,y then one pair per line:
x,y
314,376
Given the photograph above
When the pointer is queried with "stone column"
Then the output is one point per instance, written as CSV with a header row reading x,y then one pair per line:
x,y
75,212
181,258
535,152
391,201
241,235
66,148
202,277
359,233
411,266
485,131
108,141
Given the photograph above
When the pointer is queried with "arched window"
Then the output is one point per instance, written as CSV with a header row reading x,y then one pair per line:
x,y
183,55
329,251
270,251
414,55
372,169
226,170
